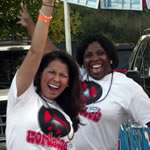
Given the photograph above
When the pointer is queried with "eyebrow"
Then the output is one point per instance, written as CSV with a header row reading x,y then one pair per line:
x,y
67,73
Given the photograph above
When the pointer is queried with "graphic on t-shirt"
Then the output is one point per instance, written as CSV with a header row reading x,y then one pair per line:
x,y
91,91
41,139
53,122
94,116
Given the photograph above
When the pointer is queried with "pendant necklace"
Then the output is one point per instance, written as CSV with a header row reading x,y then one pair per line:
x,y
95,108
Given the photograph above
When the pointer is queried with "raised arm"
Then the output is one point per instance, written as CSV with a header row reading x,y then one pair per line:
x,y
31,63
26,20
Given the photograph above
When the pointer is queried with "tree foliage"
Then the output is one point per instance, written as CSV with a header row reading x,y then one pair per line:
x,y
11,30
117,25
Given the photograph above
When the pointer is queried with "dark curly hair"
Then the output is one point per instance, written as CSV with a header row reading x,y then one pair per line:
x,y
71,99
105,43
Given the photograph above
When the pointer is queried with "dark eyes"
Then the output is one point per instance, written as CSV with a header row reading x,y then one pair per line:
x,y
53,72
98,53
88,55
64,75
101,53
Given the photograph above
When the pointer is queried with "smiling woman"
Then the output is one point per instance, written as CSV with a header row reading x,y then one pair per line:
x,y
96,67
44,99
110,97
54,79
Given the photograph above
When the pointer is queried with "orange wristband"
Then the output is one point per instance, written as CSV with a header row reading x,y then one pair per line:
x,y
47,20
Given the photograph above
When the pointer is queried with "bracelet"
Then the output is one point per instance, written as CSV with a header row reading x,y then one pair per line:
x,y
42,14
48,5
43,18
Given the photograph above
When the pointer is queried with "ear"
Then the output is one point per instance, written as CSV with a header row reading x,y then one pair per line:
x,y
111,62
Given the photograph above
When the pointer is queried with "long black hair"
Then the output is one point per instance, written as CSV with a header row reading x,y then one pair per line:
x,y
71,99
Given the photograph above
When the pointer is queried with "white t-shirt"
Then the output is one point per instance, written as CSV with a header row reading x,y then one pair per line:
x,y
29,123
126,99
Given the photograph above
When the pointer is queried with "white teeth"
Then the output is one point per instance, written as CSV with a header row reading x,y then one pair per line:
x,y
96,66
53,86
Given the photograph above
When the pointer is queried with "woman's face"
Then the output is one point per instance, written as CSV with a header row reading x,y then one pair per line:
x,y
54,79
96,61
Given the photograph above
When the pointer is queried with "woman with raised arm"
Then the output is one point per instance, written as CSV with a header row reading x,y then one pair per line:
x,y
45,97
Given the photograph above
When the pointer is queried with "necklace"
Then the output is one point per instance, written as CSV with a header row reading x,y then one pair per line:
x,y
108,89
92,108
101,88
46,101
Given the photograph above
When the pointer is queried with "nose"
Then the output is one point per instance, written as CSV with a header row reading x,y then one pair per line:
x,y
94,58
56,78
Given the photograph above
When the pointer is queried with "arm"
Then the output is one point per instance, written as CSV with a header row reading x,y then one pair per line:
x,y
27,22
31,63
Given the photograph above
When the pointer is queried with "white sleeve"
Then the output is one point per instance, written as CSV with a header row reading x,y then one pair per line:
x,y
139,107
13,99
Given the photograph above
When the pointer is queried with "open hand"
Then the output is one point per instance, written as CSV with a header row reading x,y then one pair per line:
x,y
24,16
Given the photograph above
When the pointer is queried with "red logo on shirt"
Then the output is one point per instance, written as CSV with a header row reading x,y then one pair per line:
x,y
44,140
53,121
91,91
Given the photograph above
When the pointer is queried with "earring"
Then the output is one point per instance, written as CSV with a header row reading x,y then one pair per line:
x,y
111,62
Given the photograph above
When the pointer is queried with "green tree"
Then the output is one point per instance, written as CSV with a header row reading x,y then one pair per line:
x,y
118,25
10,30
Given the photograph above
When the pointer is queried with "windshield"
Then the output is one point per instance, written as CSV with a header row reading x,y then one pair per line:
x,y
124,59
145,62
9,63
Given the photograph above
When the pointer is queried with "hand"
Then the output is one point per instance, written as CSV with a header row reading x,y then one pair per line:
x,y
24,16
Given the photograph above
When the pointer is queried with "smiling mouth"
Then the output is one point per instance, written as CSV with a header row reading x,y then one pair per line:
x,y
53,87
96,68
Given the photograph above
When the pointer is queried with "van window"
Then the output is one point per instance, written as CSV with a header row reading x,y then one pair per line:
x,y
145,64
139,56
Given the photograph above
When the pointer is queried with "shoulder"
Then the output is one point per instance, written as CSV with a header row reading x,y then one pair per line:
x,y
126,82
12,94
122,78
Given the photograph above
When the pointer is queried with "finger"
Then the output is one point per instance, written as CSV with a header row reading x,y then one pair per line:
x,y
21,4
23,7
19,17
19,22
20,11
